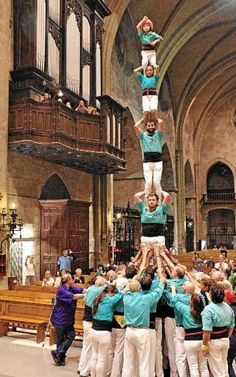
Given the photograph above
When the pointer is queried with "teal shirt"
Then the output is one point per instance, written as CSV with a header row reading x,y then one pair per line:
x,y
217,315
152,143
106,307
187,319
180,297
148,38
91,293
178,283
148,82
155,286
137,306
153,217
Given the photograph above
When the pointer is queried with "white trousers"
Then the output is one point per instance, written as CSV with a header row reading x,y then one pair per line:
x,y
218,350
159,355
196,361
85,357
101,341
137,342
149,57
117,353
152,172
181,359
149,102
170,331
152,357
152,241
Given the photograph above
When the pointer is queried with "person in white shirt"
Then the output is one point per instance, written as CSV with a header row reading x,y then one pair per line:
x,y
48,280
30,270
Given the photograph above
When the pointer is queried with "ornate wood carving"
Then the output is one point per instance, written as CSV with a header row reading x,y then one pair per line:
x,y
56,36
98,35
73,7
86,58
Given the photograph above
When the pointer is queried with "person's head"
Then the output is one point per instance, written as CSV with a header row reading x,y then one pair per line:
x,y
149,271
217,276
100,281
152,201
100,268
67,280
149,71
62,272
178,273
108,291
230,297
205,284
81,103
188,287
217,293
78,272
226,285
221,258
146,282
134,286
47,275
147,26
151,127
65,253
130,271
111,275
196,307
31,259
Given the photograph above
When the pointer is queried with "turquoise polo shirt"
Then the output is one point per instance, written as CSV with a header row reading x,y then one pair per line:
x,y
185,310
148,38
91,293
137,306
152,217
217,315
178,283
155,286
181,297
106,307
148,82
152,143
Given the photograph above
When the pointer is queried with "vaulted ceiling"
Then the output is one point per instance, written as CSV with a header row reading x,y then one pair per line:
x,y
198,53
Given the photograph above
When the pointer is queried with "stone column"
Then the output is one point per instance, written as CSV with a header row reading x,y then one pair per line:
x,y
5,58
181,222
97,219
197,202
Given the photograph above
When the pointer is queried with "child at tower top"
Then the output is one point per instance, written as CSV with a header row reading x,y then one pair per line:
x,y
149,81
149,40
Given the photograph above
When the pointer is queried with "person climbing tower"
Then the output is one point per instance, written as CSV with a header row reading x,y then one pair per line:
x,y
149,39
149,82
152,141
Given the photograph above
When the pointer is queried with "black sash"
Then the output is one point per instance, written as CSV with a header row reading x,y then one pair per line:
x,y
152,230
152,157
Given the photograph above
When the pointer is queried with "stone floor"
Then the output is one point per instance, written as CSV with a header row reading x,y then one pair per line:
x,y
22,357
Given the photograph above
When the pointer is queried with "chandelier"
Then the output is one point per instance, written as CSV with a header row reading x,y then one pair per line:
x,y
9,224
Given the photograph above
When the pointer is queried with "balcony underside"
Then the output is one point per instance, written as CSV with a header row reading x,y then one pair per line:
x,y
90,162
59,135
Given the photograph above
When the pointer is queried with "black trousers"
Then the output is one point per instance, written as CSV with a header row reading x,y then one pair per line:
x,y
65,337
230,358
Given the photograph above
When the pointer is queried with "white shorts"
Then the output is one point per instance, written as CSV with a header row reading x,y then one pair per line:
x,y
149,57
160,240
150,103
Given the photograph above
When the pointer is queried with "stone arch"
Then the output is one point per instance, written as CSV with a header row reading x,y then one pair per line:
x,y
221,227
189,181
220,179
54,189
168,181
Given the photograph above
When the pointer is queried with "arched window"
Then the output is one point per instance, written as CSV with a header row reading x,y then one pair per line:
x,y
221,228
54,189
220,179
73,54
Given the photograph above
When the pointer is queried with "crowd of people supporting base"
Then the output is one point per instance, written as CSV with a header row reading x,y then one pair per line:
x,y
150,320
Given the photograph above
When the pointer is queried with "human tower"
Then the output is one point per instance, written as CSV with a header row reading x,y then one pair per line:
x,y
153,202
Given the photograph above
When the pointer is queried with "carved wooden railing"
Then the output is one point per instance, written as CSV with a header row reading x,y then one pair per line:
x,y
219,197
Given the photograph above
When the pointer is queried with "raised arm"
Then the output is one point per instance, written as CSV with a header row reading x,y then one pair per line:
x,y
137,128
169,263
140,24
166,198
137,70
139,196
161,125
160,270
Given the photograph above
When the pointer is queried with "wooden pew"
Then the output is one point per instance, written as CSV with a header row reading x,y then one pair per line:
x,y
32,309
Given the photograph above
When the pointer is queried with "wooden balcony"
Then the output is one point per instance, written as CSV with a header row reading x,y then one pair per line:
x,y
55,133
224,197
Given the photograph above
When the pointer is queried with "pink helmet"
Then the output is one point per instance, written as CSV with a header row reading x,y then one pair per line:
x,y
148,22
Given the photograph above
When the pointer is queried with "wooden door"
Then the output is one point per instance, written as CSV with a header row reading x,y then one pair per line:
x,y
53,233
78,233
